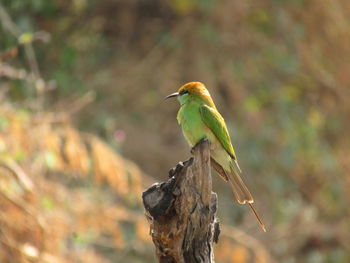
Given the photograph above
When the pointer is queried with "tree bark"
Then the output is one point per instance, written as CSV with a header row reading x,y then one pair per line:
x,y
182,211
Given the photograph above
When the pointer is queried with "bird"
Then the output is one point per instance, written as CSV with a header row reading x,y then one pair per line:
x,y
200,119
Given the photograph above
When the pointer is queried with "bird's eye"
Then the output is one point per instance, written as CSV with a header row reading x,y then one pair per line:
x,y
183,92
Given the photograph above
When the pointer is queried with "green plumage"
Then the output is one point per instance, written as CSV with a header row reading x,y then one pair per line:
x,y
216,123
200,119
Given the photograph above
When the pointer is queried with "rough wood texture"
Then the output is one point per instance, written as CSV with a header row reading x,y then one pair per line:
x,y
182,211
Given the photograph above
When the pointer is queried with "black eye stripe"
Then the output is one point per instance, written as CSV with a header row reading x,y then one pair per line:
x,y
183,92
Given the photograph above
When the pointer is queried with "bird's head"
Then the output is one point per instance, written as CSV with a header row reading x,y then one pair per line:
x,y
193,91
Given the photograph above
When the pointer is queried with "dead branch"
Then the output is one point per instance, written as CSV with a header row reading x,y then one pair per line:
x,y
182,211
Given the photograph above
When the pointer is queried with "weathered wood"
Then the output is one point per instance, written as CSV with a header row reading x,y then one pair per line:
x,y
182,211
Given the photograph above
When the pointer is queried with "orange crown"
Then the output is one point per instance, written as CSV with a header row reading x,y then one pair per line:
x,y
197,89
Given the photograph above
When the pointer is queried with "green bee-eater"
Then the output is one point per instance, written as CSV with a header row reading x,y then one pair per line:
x,y
199,119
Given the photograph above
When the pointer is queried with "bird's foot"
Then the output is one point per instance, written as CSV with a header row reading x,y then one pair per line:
x,y
198,143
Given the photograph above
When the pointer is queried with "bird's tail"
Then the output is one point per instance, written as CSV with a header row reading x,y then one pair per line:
x,y
241,192
239,189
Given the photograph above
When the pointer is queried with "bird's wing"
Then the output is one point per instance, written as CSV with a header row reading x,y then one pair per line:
x,y
216,123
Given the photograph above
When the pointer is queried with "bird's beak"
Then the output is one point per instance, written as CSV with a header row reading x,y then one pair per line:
x,y
172,95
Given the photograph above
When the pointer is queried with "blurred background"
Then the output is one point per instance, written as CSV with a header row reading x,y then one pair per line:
x,y
84,127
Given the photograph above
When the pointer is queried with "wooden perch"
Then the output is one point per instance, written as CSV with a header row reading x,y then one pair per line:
x,y
182,211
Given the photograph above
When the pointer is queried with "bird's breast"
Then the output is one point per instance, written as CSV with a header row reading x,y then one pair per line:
x,y
193,127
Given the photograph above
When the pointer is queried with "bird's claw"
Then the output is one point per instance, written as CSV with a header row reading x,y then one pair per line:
x,y
198,143
192,150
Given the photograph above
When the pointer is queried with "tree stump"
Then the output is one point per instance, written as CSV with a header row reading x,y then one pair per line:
x,y
182,211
